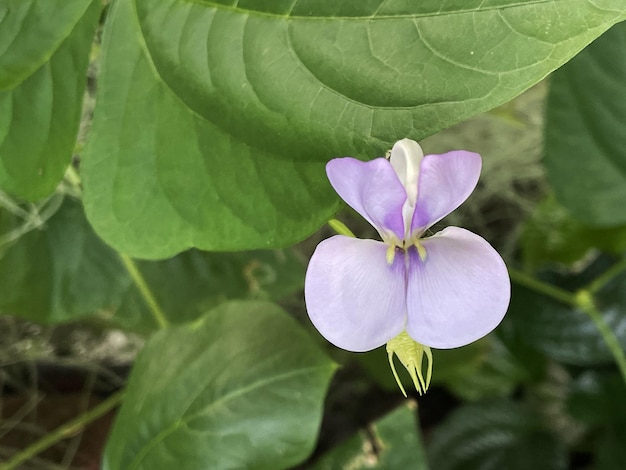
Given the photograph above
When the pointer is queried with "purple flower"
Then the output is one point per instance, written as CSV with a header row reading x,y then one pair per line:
x,y
443,291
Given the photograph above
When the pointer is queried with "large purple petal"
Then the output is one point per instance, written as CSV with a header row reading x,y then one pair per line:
x,y
353,297
459,293
372,189
445,181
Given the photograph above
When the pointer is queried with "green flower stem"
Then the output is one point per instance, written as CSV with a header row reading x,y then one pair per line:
x,y
341,228
607,276
584,299
535,284
7,203
145,291
65,431
72,177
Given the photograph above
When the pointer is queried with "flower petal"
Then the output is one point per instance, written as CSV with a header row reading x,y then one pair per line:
x,y
445,181
372,189
354,298
406,157
459,293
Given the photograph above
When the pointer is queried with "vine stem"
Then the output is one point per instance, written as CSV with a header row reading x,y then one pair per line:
x,y
535,284
146,293
606,277
583,300
63,432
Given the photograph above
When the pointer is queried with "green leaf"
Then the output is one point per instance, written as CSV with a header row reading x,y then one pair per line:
x,y
44,53
553,235
242,388
597,398
494,436
61,271
586,132
563,332
392,442
214,122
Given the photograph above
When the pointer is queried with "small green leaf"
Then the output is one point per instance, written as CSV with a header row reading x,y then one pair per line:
x,y
44,53
586,132
215,120
493,436
563,332
60,271
242,388
392,442
553,235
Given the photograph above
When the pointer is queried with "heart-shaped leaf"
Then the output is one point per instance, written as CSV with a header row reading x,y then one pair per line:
x,y
214,121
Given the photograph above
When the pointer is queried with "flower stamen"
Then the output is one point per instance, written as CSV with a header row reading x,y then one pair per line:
x,y
391,254
411,355
420,250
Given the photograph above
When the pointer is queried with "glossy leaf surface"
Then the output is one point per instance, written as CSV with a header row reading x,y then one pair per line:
x,y
215,119
242,388
494,435
563,332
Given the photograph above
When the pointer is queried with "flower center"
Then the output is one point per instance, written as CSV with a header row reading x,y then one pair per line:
x,y
397,245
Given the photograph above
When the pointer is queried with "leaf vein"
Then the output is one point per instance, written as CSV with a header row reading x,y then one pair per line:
x,y
209,409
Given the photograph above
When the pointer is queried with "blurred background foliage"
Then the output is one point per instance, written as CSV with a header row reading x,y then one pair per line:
x,y
223,353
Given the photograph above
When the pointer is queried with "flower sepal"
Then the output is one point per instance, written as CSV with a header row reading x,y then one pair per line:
x,y
411,355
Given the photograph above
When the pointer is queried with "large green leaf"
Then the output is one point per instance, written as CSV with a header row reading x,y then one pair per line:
x,y
62,271
392,442
493,436
44,53
586,132
214,120
563,332
243,388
